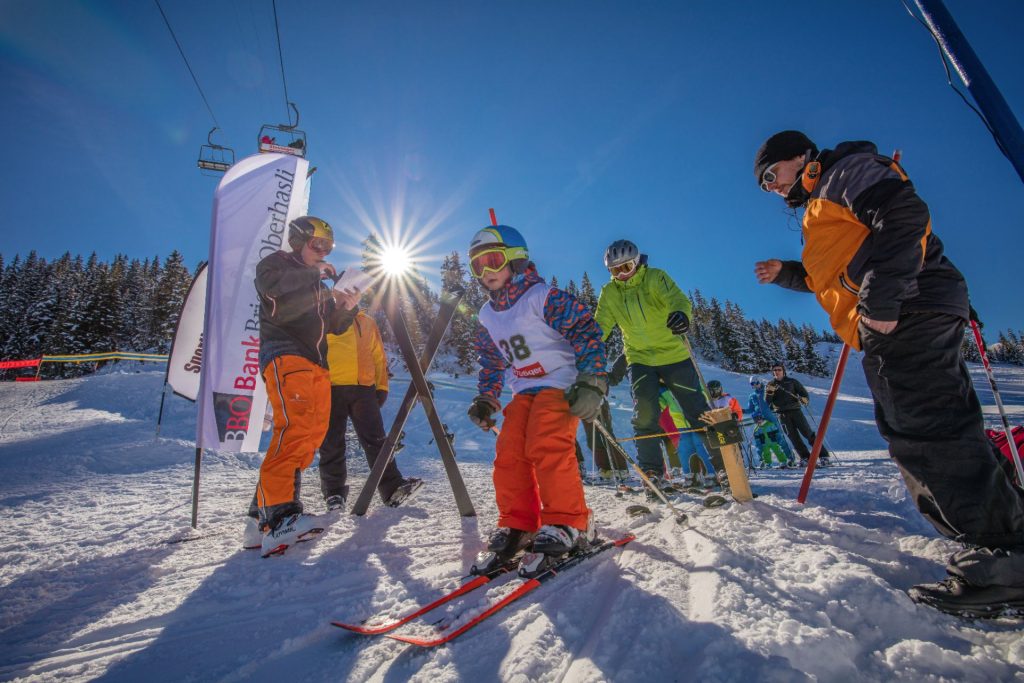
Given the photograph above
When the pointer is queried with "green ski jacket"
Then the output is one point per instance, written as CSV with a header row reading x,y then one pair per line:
x,y
640,307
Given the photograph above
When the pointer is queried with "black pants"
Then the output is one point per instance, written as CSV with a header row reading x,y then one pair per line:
x,y
926,408
794,423
682,380
360,404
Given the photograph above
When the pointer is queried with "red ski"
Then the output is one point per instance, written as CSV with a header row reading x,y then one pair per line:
x,y
526,587
447,597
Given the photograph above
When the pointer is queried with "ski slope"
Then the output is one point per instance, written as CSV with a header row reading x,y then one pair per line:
x,y
101,576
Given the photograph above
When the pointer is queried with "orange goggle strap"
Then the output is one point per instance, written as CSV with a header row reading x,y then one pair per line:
x,y
486,269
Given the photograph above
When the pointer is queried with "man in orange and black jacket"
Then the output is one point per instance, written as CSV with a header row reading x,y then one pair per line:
x,y
875,266
359,389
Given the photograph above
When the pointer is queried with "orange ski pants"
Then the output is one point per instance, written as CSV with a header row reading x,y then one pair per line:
x,y
536,478
300,393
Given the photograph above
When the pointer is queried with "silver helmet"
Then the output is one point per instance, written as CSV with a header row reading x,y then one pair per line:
x,y
619,252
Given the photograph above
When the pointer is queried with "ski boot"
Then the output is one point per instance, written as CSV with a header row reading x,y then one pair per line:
x,y
503,546
553,543
289,531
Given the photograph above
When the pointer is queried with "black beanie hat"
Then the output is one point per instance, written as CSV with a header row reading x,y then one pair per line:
x,y
779,147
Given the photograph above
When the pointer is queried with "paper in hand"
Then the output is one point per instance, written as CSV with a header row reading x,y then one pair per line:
x,y
353,279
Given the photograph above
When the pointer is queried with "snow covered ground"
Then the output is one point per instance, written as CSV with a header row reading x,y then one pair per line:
x,y
101,576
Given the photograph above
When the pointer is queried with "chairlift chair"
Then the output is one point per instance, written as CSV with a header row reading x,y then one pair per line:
x,y
214,159
283,138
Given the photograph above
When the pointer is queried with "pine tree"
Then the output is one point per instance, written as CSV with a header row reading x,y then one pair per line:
x,y
587,295
168,298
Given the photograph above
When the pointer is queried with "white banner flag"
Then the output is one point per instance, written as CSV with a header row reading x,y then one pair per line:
x,y
252,207
186,357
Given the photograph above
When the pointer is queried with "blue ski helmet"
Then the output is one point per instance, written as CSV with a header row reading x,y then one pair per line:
x,y
755,381
505,239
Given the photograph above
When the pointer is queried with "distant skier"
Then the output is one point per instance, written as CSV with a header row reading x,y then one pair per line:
x,y
652,312
551,346
870,257
758,408
787,397
296,312
720,399
767,438
691,454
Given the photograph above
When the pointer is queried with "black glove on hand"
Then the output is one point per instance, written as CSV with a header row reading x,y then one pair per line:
x,y
678,322
481,410
382,397
618,371
586,395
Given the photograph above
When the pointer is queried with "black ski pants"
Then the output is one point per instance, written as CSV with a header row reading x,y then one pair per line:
x,y
683,381
794,423
360,404
926,408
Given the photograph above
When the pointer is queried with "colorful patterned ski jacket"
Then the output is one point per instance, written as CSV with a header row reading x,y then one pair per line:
x,y
640,307
562,312
868,243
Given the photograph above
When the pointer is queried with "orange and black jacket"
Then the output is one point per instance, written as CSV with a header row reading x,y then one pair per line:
x,y
296,310
868,243
356,357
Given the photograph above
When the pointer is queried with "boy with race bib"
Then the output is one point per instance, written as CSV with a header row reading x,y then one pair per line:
x,y
551,346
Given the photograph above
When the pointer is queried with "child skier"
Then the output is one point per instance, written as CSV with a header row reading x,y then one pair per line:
x,y
552,347
720,399
766,436
691,455
757,406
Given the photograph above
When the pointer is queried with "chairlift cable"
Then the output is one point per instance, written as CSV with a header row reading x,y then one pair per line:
x,y
187,65
280,56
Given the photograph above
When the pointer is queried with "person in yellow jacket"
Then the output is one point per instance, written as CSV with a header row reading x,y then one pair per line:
x,y
359,388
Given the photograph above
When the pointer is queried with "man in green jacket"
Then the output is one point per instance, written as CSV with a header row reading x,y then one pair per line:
x,y
653,314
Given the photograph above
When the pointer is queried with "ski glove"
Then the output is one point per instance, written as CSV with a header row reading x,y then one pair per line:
x,y
805,400
586,395
480,411
382,397
618,371
678,322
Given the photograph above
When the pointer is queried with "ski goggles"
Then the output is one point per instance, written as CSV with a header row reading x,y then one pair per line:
x,y
321,245
624,268
769,176
489,261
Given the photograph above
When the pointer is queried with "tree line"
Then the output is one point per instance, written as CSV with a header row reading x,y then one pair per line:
x,y
76,305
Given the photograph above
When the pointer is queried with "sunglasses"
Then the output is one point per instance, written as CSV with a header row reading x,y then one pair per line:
x,y
321,245
624,268
769,176
490,261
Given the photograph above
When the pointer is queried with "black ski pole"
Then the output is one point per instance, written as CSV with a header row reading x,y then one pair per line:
x,y
680,516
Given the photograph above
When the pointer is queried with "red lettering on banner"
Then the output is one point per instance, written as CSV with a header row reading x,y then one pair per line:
x,y
532,370
245,383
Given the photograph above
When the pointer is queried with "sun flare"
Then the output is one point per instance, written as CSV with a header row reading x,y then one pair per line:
x,y
395,260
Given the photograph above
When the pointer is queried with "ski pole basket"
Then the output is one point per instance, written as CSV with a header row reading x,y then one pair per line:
x,y
213,158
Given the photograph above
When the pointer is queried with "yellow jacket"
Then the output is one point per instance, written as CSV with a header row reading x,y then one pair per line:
x,y
357,356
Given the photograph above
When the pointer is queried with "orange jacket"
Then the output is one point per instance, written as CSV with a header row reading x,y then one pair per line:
x,y
868,243
357,356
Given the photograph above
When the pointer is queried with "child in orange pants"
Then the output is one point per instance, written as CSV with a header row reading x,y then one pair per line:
x,y
553,347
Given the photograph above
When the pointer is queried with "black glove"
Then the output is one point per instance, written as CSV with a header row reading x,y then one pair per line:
x,y
678,322
382,397
973,315
480,411
618,370
586,395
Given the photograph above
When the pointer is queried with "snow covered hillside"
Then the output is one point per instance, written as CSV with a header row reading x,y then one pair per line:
x,y
101,576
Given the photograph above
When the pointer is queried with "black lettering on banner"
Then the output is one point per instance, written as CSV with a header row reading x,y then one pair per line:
x,y
515,348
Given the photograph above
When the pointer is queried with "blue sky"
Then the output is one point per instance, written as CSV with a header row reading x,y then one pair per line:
x,y
579,122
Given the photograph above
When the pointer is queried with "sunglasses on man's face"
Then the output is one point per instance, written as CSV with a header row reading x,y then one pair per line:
x,y
321,245
769,176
